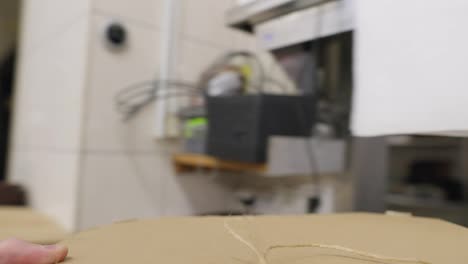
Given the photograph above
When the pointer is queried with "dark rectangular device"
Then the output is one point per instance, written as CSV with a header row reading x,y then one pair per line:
x,y
239,126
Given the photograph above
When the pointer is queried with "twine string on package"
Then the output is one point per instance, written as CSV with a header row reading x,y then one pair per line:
x,y
262,256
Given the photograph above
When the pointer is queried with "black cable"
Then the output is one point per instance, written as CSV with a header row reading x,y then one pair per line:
x,y
134,109
146,92
131,99
146,89
309,146
154,84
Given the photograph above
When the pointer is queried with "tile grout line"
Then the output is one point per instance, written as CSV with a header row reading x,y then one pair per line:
x,y
205,42
84,113
81,151
57,34
99,12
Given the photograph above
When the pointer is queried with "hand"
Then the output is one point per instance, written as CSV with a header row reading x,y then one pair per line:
x,y
13,251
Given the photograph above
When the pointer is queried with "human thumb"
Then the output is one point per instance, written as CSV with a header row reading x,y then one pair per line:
x,y
13,251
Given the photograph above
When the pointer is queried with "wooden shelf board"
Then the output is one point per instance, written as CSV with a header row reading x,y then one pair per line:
x,y
189,162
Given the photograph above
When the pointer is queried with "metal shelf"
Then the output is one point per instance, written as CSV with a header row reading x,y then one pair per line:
x,y
409,201
246,16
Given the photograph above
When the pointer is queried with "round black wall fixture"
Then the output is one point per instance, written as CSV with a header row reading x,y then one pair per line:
x,y
116,34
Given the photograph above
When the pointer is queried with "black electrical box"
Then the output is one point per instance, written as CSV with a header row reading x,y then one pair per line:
x,y
239,126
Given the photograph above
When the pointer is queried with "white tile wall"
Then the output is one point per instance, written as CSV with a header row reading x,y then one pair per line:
x,y
43,20
244,40
120,186
194,194
125,186
204,21
49,92
47,109
195,57
51,181
111,71
140,11
122,159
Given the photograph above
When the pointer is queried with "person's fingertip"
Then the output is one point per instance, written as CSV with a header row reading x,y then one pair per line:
x,y
58,251
61,252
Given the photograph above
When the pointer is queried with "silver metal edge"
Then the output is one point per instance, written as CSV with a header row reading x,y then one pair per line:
x,y
246,16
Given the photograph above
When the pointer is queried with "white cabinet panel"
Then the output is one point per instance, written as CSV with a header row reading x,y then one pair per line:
x,y
410,67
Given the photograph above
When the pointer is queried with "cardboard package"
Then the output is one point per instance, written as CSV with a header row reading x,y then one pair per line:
x,y
27,224
346,238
